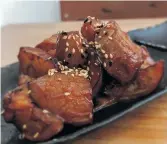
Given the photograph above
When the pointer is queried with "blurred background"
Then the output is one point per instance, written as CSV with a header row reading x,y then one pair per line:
x,y
14,12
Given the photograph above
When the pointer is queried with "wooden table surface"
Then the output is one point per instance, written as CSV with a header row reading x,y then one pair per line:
x,y
146,125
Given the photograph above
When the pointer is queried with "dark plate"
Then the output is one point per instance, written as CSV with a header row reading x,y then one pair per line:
x,y
9,76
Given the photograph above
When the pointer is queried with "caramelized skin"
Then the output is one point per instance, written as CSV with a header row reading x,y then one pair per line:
x,y
49,45
121,58
90,28
71,50
65,95
34,123
34,62
95,73
146,81
23,79
40,107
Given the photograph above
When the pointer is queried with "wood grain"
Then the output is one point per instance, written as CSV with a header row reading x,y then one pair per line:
x,y
78,10
146,125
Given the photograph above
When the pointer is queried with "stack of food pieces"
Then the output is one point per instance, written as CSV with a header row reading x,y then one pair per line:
x,y
65,75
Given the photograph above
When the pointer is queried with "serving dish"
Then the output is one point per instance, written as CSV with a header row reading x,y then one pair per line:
x,y
9,76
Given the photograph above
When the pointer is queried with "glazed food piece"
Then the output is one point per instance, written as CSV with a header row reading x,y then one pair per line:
x,y
146,81
121,58
34,62
95,72
90,28
71,49
68,96
23,79
49,45
34,123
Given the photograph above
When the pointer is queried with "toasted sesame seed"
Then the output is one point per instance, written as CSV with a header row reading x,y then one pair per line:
x,y
106,56
104,64
65,37
110,63
72,75
103,51
69,36
98,46
99,36
88,62
73,37
59,63
96,64
87,68
45,111
67,93
92,73
59,79
92,53
87,45
67,44
81,50
98,74
73,50
83,71
111,56
21,136
96,42
24,126
91,42
36,135
104,32
86,28
110,38
66,49
29,91
77,35
77,43
69,55
49,58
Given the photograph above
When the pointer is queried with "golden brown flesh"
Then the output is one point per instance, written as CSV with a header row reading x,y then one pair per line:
x,y
69,97
34,62
71,49
34,123
23,79
49,45
146,81
121,58
91,27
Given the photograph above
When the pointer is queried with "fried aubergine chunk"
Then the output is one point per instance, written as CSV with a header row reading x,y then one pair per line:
x,y
121,58
90,28
34,123
71,49
34,62
146,81
23,79
95,72
49,45
69,96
